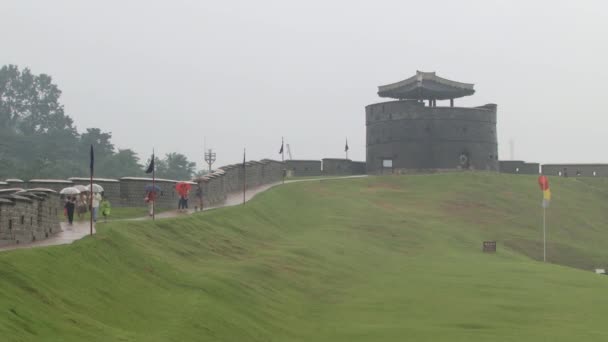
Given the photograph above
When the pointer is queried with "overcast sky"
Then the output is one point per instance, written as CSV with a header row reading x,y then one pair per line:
x,y
245,73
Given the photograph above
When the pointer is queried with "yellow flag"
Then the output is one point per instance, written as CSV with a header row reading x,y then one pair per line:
x,y
547,195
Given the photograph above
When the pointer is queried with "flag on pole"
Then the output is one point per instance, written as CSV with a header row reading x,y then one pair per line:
x,y
92,165
150,168
281,150
346,146
152,195
543,182
92,168
547,194
244,177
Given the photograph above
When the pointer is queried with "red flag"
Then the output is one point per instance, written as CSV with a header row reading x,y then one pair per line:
x,y
543,182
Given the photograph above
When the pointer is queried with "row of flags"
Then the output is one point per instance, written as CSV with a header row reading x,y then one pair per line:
x,y
150,168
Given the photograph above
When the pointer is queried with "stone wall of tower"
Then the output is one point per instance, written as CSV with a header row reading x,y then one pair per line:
x,y
415,137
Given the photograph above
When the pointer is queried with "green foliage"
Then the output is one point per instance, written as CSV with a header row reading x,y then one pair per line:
x,y
122,163
40,141
374,259
173,166
100,140
30,103
176,166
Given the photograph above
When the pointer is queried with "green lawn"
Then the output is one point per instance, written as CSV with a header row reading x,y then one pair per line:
x,y
370,259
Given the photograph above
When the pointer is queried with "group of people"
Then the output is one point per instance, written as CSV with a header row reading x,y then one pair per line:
x,y
83,202
182,204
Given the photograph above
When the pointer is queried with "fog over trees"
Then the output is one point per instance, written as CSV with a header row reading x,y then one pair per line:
x,y
39,140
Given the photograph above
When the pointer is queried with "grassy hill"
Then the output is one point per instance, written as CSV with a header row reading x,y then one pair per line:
x,y
373,259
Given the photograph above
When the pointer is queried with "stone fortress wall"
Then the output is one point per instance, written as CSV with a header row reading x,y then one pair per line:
x,y
560,170
576,170
325,167
518,167
406,136
304,168
30,210
27,216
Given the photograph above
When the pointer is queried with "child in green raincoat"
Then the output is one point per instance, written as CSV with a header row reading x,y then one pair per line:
x,y
105,207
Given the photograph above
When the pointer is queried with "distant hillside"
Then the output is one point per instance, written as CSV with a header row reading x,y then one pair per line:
x,y
370,259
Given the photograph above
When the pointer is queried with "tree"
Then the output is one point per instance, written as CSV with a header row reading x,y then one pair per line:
x,y
121,164
101,142
29,103
175,166
38,139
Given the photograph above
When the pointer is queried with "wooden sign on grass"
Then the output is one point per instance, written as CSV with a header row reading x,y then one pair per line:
x,y
489,246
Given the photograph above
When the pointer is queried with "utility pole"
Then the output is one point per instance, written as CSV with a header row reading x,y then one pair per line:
x,y
210,158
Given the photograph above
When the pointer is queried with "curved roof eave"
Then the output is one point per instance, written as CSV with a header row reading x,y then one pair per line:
x,y
426,85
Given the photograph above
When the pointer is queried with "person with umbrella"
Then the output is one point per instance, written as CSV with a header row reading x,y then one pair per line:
x,y
70,203
96,200
82,203
151,191
183,189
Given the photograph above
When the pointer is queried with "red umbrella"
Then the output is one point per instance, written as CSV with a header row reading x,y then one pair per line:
x,y
182,188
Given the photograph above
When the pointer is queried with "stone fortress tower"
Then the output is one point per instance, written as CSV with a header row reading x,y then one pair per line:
x,y
411,135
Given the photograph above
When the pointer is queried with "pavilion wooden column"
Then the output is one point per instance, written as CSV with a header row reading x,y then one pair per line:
x,y
451,102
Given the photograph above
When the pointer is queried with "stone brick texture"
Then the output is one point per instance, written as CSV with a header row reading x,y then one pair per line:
x,y
28,216
417,137
575,170
34,213
518,167
304,168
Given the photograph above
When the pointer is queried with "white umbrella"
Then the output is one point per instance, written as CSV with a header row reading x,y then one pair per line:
x,y
97,188
69,191
41,190
82,188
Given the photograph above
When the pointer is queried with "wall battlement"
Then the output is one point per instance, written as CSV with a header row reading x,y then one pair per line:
x,y
30,210
559,170
27,216
325,167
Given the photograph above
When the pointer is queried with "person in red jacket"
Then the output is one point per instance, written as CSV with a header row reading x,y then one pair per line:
x,y
149,199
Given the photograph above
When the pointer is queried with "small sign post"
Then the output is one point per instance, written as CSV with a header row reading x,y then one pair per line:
x,y
489,246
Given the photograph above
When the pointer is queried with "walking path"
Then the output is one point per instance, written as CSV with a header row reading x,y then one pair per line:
x,y
79,230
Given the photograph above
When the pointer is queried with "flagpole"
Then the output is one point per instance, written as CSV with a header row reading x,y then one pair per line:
x,y
244,176
283,157
346,149
91,193
544,234
153,186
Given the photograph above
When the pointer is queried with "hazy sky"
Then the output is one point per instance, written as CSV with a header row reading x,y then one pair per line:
x,y
245,73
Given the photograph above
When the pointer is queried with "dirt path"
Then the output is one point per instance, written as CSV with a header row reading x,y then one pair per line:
x,y
79,230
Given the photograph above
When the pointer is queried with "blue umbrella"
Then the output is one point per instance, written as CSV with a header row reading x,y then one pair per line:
x,y
152,188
